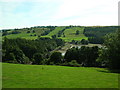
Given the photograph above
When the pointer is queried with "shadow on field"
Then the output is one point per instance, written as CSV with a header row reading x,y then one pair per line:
x,y
109,71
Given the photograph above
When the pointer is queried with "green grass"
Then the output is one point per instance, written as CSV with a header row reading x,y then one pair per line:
x,y
47,76
22,35
38,31
70,34
55,31
26,35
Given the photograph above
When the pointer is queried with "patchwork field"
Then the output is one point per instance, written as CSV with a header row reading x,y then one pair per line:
x,y
47,76
70,34
55,31
24,34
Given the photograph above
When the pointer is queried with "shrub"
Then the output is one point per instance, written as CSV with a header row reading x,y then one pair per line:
x,y
56,57
73,63
38,58
28,31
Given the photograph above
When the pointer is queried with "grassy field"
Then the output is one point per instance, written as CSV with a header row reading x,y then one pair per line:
x,y
70,34
26,35
46,76
55,31
21,35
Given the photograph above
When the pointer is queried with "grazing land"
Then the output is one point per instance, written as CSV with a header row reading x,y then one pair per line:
x,y
23,33
67,33
47,76
70,34
55,31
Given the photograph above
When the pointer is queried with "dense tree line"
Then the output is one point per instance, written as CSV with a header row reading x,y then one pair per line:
x,y
86,56
96,40
96,34
83,42
27,51
110,55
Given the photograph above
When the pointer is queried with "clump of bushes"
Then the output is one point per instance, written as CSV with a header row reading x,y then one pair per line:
x,y
73,63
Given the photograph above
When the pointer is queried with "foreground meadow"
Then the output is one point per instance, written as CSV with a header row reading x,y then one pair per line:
x,y
47,76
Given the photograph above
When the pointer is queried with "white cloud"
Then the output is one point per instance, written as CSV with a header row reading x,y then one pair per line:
x,y
88,12
78,7
58,12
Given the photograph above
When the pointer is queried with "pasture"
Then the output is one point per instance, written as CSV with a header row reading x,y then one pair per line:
x,y
55,31
48,76
70,34
23,33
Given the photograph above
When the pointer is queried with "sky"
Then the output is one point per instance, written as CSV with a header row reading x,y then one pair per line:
x,y
29,13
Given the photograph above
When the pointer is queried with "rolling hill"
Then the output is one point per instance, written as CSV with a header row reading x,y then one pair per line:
x,y
67,33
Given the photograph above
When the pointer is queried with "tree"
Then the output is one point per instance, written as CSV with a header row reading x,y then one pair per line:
x,y
77,32
33,31
56,57
59,42
28,31
37,58
9,58
24,50
110,54
83,41
53,36
102,61
73,41
71,54
112,43
85,55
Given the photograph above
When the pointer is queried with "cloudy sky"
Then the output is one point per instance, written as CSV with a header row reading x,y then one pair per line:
x,y
27,13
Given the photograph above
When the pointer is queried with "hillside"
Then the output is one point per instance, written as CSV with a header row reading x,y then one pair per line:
x,y
55,31
27,33
47,76
93,34
70,34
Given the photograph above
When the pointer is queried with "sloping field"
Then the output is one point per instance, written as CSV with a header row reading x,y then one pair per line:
x,y
55,31
47,76
26,35
70,34
22,35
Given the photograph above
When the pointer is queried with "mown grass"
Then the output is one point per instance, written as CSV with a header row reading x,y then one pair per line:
x,y
70,34
26,35
22,35
47,76
55,31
